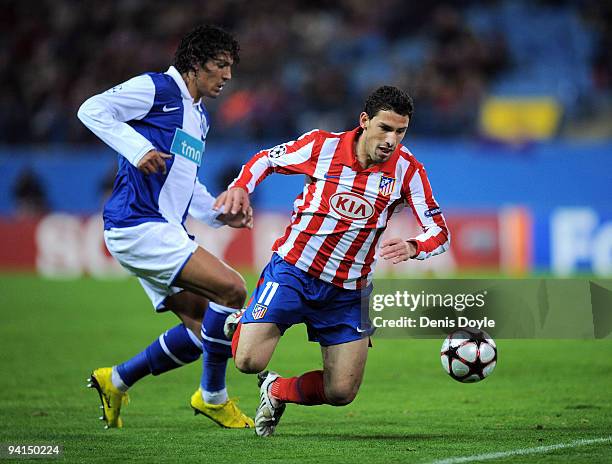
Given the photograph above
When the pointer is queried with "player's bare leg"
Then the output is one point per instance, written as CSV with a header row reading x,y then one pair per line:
x,y
189,308
343,367
208,276
256,344
254,349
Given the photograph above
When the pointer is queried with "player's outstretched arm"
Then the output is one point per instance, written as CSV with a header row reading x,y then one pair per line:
x,y
293,157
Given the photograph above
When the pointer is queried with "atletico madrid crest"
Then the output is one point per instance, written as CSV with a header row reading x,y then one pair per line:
x,y
386,185
259,311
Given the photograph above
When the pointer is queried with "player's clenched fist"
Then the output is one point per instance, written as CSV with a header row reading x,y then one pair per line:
x,y
154,161
235,200
398,250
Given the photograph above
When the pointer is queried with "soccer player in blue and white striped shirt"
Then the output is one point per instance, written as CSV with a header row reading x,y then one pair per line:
x,y
158,124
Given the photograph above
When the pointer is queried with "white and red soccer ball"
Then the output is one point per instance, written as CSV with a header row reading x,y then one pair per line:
x,y
468,355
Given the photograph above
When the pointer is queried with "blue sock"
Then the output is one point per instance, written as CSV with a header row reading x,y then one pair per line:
x,y
213,374
173,348
216,351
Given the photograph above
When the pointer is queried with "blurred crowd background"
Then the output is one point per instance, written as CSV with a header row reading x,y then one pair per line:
x,y
309,63
513,117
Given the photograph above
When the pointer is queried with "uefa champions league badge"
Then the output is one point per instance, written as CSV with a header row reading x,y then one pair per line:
x,y
386,185
187,146
277,151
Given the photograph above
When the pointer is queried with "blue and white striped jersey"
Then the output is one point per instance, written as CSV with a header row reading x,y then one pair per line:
x,y
153,111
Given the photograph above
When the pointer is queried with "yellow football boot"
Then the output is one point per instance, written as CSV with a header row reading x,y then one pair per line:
x,y
110,397
227,415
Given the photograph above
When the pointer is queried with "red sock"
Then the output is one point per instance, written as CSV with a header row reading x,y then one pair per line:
x,y
235,338
306,389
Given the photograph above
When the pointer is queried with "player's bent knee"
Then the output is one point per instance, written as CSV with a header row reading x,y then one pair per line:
x,y
248,364
339,399
341,395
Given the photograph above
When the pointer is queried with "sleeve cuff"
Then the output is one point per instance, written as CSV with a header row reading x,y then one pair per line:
x,y
134,161
240,187
419,247
210,219
214,222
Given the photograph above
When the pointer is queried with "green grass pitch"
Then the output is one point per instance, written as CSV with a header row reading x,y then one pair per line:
x,y
53,333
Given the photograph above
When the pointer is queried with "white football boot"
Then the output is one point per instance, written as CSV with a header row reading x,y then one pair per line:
x,y
270,409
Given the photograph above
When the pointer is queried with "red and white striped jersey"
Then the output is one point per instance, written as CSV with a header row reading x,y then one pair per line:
x,y
338,219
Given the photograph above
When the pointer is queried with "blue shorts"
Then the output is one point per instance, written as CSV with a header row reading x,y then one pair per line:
x,y
287,295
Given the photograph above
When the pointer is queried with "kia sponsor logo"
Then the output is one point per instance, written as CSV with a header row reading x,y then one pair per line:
x,y
351,205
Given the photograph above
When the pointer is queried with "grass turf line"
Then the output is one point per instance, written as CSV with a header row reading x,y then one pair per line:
x,y
523,451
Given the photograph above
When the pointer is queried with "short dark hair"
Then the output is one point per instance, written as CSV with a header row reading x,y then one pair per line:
x,y
389,98
203,43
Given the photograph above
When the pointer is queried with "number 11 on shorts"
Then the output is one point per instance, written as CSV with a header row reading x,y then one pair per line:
x,y
268,293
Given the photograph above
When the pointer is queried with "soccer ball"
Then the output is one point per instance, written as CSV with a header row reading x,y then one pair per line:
x,y
468,355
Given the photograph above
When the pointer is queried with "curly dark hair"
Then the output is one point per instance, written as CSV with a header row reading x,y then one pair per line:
x,y
203,43
389,98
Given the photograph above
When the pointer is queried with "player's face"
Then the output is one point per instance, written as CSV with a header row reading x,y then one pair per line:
x,y
211,77
383,133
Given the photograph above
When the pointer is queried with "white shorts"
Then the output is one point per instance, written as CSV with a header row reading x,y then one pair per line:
x,y
155,252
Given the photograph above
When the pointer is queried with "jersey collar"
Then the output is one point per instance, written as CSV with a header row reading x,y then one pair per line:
x,y
174,74
348,155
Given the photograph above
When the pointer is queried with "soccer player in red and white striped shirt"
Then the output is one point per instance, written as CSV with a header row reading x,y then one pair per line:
x,y
321,271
